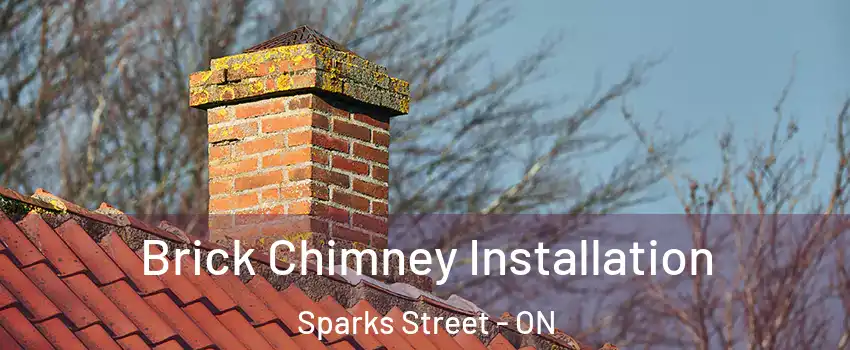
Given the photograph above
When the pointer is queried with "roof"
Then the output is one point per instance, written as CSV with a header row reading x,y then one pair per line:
x,y
300,35
73,278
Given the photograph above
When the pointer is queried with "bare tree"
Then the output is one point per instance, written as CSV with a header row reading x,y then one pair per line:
x,y
780,278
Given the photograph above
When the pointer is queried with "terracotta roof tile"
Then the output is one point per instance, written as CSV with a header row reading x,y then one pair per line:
x,y
169,345
185,291
336,310
94,258
61,296
25,334
392,340
32,299
442,339
178,320
138,311
133,342
6,340
205,284
276,336
22,249
130,264
6,298
115,321
212,326
239,326
469,342
342,345
50,245
59,335
266,292
500,343
95,337
308,341
69,279
418,340
247,301
301,302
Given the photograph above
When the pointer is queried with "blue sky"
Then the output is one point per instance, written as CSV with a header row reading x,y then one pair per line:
x,y
727,60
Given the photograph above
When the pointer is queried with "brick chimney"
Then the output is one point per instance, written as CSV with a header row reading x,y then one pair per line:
x,y
299,125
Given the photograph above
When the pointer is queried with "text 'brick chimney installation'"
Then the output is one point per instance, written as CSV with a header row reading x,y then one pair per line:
x,y
299,126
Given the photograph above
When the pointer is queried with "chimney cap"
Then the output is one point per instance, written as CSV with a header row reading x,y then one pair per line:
x,y
297,36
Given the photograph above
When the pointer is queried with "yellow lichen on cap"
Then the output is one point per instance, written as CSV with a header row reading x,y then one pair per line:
x,y
279,70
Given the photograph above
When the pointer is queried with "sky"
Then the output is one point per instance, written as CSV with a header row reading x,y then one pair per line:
x,y
725,60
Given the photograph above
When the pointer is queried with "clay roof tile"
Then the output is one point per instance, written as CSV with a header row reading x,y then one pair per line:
x,y
70,279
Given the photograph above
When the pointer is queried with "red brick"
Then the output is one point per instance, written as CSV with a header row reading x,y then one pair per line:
x,y
317,104
370,189
371,153
206,78
304,63
295,121
295,223
305,189
270,195
371,121
380,138
300,102
346,233
371,223
351,130
315,209
258,180
283,158
319,174
380,174
220,152
230,169
221,186
379,241
246,200
218,115
305,207
259,108
271,143
330,142
299,138
258,70
338,215
317,139
304,80
349,165
350,200
379,208
232,132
